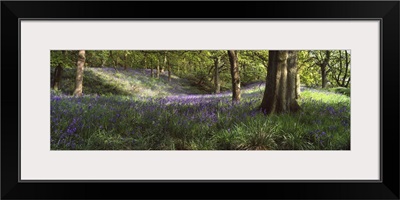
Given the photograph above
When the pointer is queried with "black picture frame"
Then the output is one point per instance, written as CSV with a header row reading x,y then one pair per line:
x,y
386,11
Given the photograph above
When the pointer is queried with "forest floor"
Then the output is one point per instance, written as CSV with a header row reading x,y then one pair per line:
x,y
129,110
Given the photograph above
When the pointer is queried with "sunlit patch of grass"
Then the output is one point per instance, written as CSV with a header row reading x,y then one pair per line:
x,y
325,97
133,82
341,90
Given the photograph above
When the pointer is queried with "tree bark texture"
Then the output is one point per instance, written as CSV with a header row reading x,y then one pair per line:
x,y
57,77
280,89
169,71
217,83
324,68
165,62
298,91
233,59
79,73
158,68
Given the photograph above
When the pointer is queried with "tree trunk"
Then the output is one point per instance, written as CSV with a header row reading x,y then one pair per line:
x,y
158,68
126,61
165,62
291,88
233,59
340,69
145,60
102,62
280,89
298,91
113,61
345,83
217,84
169,71
79,73
323,68
323,75
57,77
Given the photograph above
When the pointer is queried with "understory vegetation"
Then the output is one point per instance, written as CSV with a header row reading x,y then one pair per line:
x,y
130,110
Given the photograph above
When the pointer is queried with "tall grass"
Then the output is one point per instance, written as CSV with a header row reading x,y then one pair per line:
x,y
197,122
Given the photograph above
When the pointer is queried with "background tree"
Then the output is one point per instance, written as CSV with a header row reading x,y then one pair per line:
x,y
58,60
279,95
79,73
340,68
253,65
209,70
321,59
233,59
217,66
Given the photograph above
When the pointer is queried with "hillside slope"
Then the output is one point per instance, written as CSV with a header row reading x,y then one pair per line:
x,y
136,82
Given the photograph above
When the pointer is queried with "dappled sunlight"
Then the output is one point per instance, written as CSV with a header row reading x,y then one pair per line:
x,y
201,100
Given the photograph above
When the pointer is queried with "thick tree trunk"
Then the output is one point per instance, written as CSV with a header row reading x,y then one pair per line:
x,y
291,87
233,59
280,90
217,83
79,73
57,77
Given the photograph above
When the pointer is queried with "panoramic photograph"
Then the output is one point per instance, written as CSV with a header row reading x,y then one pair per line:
x,y
200,99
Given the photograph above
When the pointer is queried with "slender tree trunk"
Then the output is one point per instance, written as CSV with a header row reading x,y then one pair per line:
x,y
113,61
145,61
151,68
347,68
158,68
165,62
169,71
298,91
340,69
233,59
244,71
126,61
116,59
217,84
79,73
58,74
57,77
280,90
102,62
323,75
324,69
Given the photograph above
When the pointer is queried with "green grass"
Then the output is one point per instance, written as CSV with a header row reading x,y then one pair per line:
x,y
121,122
107,81
341,90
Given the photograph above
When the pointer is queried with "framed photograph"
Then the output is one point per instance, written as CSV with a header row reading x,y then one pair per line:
x,y
299,98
